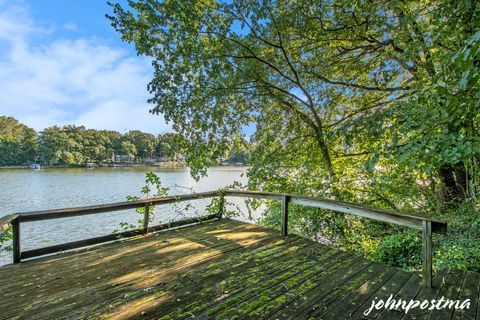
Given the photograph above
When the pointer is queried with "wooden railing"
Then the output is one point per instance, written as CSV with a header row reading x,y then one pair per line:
x,y
16,219
427,226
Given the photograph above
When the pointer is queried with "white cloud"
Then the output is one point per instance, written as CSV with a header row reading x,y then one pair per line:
x,y
71,27
15,23
80,81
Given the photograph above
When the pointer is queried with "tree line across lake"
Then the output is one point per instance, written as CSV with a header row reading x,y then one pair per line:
x,y
75,145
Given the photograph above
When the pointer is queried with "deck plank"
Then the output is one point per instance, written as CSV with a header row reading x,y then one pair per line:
x,y
409,291
438,282
256,305
218,270
317,303
470,290
391,286
322,284
353,302
450,290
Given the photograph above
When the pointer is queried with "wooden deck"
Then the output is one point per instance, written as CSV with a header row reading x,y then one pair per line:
x,y
219,270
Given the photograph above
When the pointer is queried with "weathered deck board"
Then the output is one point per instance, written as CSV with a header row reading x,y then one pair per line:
x,y
410,289
321,298
470,290
451,289
218,270
391,286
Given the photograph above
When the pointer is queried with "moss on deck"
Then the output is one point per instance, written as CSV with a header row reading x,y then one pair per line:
x,y
218,270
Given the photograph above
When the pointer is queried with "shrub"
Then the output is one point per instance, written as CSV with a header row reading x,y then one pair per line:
x,y
402,250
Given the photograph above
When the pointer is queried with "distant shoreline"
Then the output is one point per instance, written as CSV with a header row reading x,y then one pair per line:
x,y
170,164
166,165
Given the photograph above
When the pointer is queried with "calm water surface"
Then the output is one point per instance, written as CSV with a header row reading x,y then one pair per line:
x,y
28,190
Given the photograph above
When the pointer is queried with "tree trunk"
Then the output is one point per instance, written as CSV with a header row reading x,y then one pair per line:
x,y
325,154
455,180
327,160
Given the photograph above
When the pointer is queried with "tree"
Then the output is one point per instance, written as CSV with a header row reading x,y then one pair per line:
x,y
74,145
114,144
144,143
129,149
238,157
17,142
62,145
366,87
168,145
95,144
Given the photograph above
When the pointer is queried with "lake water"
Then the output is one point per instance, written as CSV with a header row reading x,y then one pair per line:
x,y
30,190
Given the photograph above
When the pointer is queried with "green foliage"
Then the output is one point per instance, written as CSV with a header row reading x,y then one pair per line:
x,y
458,253
216,205
153,186
6,238
330,86
140,144
236,157
17,142
402,250
461,247
74,145
129,149
168,145
151,189
62,145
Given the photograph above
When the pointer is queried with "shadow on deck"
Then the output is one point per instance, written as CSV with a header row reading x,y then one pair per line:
x,y
220,270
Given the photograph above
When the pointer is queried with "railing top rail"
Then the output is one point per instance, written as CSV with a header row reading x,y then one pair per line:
x,y
344,207
349,208
100,208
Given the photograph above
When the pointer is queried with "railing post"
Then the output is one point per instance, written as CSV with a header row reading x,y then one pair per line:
x,y
285,200
16,240
427,253
146,218
221,209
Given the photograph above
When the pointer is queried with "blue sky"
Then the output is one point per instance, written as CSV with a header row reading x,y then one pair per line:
x,y
73,19
62,63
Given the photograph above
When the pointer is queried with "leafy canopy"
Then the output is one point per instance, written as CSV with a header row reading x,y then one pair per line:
x,y
329,85
17,142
